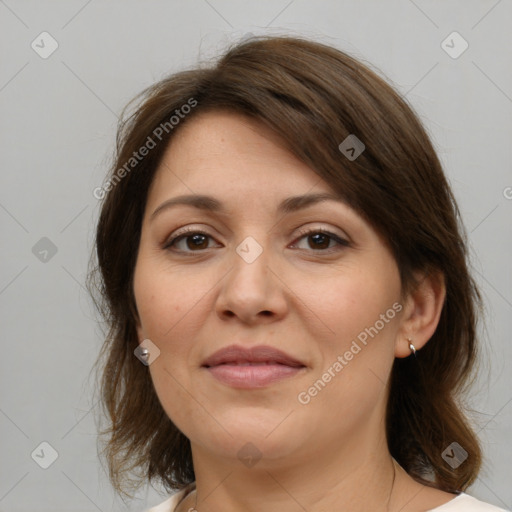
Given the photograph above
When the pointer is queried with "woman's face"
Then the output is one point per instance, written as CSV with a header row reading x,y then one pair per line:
x,y
257,274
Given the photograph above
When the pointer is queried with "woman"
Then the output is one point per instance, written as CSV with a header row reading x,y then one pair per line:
x,y
283,272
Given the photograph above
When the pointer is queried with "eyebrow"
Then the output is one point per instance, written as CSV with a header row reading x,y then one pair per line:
x,y
208,203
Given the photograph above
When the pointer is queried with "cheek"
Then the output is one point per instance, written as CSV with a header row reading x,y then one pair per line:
x,y
163,297
344,304
356,353
165,300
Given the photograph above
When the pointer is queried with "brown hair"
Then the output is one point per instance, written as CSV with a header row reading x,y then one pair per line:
x,y
313,96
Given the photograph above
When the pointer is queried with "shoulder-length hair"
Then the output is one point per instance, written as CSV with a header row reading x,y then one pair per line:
x,y
313,96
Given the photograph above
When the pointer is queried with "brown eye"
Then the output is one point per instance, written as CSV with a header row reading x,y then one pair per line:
x,y
319,240
194,241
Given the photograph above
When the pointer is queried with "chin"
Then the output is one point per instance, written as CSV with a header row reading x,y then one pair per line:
x,y
256,436
253,451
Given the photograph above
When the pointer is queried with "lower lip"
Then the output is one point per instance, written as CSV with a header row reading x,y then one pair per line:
x,y
252,376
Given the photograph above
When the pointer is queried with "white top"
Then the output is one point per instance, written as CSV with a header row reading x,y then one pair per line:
x,y
461,503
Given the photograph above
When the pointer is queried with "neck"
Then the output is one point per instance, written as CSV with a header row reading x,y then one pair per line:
x,y
358,481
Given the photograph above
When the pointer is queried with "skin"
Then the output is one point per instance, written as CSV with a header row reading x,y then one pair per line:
x,y
307,296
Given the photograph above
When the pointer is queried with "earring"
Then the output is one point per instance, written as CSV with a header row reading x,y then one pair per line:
x,y
144,355
411,347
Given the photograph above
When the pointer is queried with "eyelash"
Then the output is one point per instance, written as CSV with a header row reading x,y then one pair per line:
x,y
191,231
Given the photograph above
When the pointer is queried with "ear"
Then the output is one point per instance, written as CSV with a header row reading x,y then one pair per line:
x,y
138,325
140,333
421,313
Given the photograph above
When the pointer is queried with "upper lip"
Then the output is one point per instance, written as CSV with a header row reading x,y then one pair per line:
x,y
258,354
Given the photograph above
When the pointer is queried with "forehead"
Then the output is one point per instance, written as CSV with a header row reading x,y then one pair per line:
x,y
223,153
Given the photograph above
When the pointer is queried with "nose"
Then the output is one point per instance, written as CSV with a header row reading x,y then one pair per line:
x,y
252,291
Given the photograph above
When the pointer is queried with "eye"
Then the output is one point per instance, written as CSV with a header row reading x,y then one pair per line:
x,y
321,239
194,241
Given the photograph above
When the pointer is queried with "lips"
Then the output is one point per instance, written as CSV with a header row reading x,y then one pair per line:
x,y
252,368
259,355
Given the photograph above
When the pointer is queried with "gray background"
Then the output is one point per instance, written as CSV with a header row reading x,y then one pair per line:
x,y
57,130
